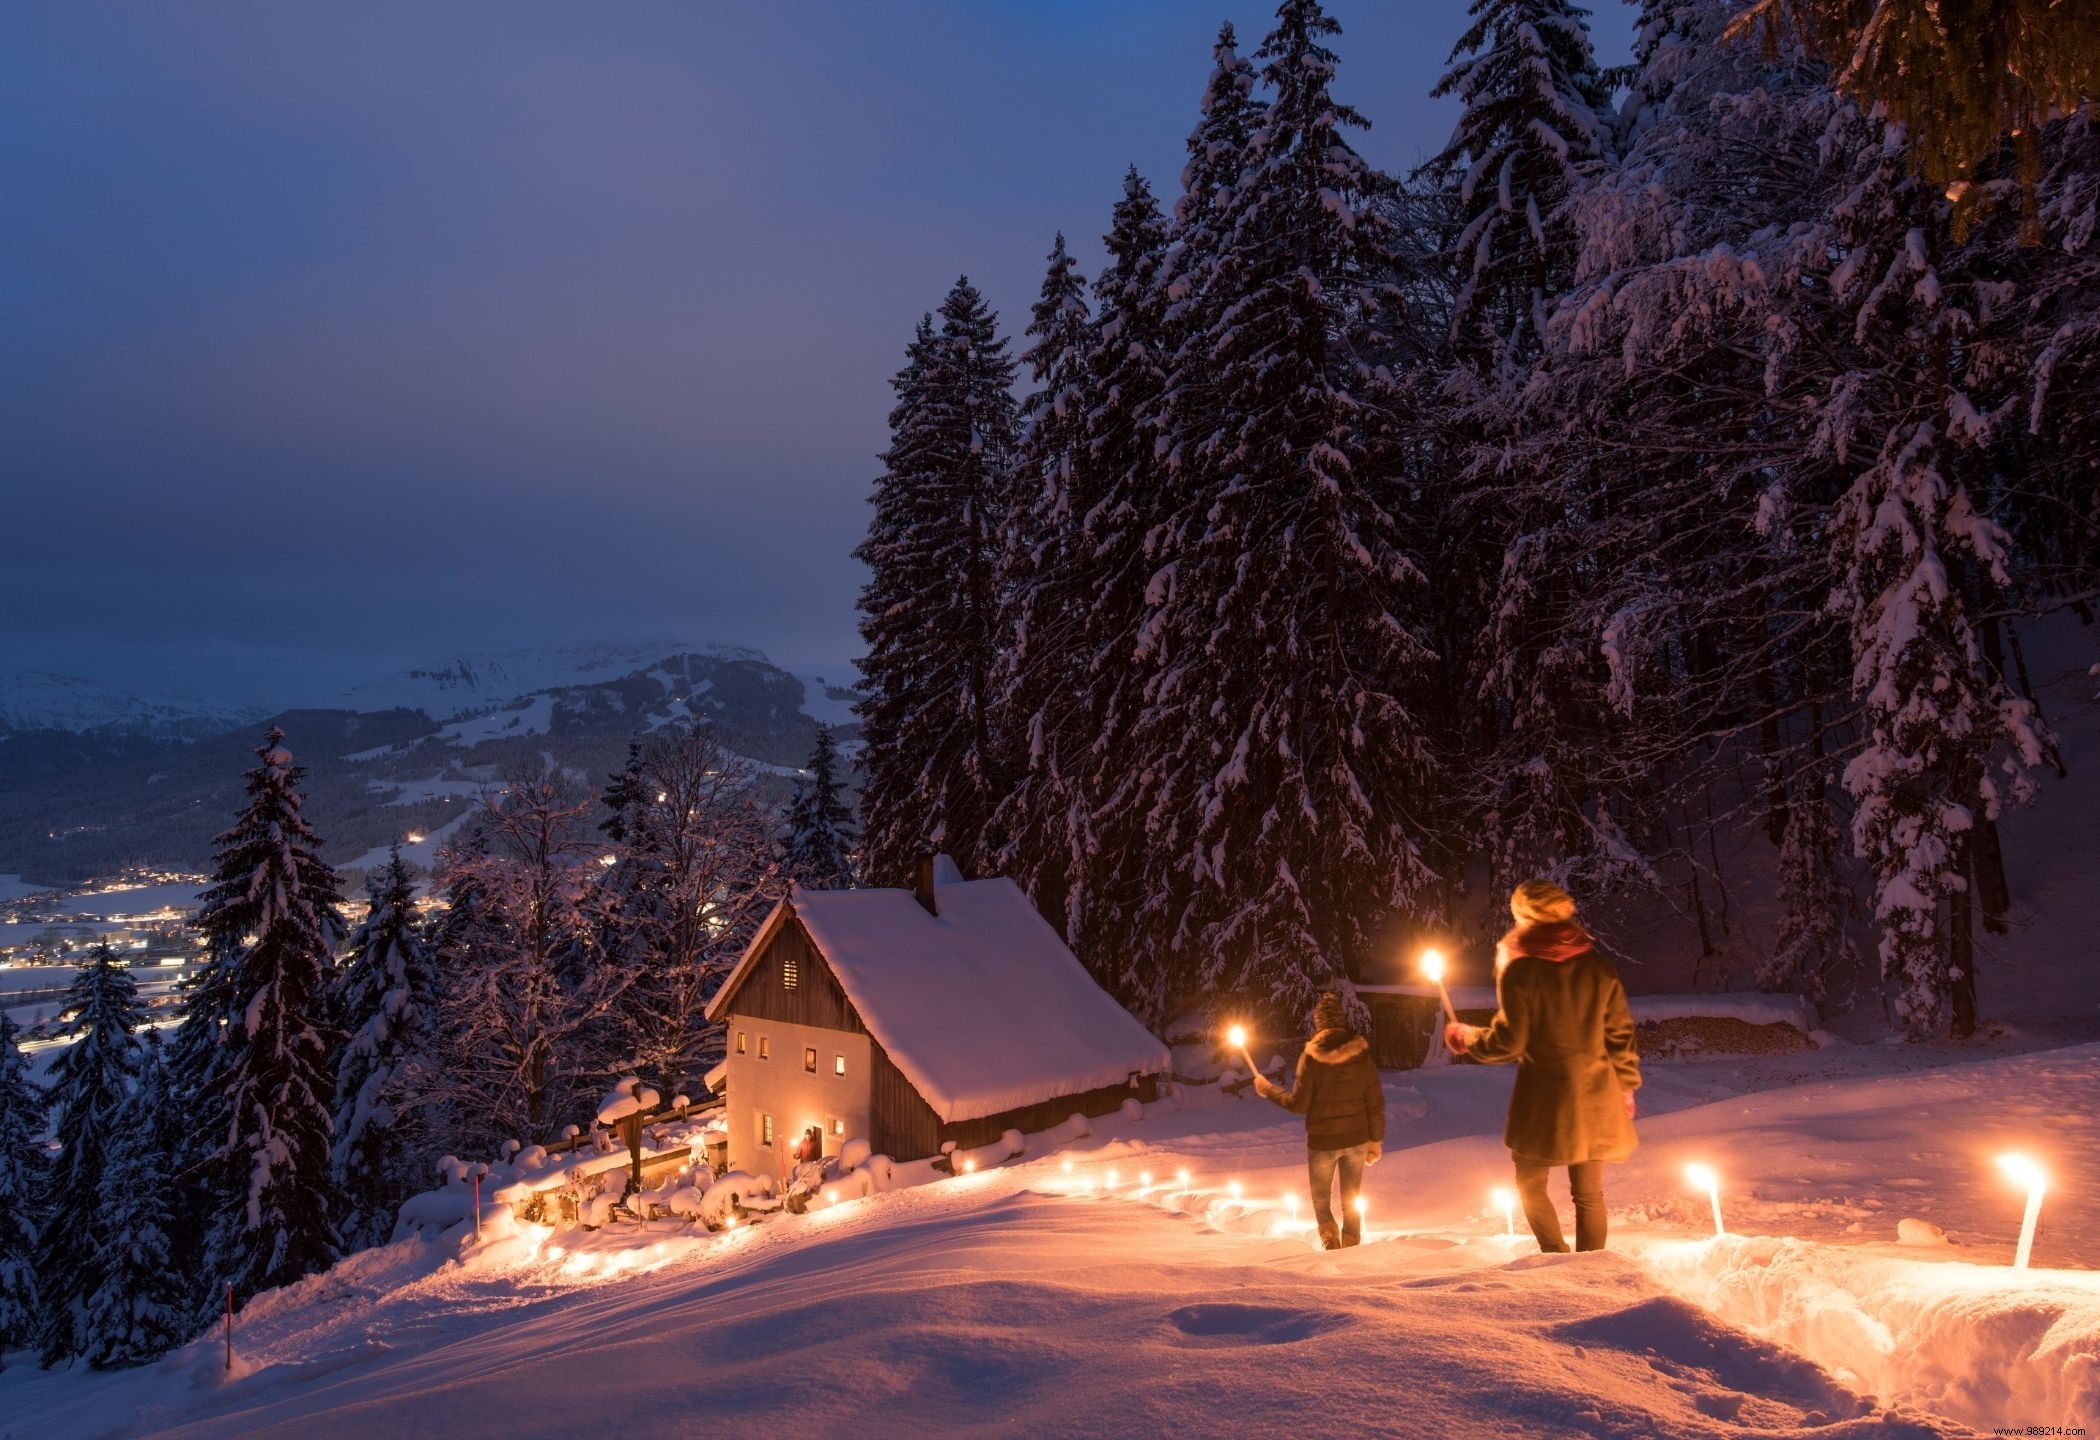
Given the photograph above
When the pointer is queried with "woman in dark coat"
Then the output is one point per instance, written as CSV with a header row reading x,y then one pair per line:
x,y
1338,1092
1562,1019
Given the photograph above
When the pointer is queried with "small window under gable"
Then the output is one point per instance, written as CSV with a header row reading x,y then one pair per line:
x,y
809,1059
838,1064
765,1048
790,969
739,1042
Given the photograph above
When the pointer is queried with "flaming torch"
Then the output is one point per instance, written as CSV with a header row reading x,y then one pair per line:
x,y
1433,968
1507,1204
2027,1173
1702,1178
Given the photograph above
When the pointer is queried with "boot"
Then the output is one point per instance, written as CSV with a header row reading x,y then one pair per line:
x,y
1351,1237
1330,1238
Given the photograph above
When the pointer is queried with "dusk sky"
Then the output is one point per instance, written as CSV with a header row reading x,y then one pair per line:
x,y
338,338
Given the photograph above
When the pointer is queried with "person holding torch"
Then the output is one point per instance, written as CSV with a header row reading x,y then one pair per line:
x,y
1337,1091
1561,1018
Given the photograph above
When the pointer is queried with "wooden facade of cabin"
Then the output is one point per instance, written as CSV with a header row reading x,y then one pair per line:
x,y
902,1125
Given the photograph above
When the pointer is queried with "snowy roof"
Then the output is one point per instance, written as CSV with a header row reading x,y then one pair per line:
x,y
981,1007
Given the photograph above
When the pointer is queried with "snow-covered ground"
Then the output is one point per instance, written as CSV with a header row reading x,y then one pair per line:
x,y
1037,1300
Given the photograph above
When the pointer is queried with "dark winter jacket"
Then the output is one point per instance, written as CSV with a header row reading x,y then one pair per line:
x,y
1562,1019
1337,1091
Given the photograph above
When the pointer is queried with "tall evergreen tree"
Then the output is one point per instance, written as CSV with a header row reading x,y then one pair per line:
x,y
1287,766
1533,122
929,610
1120,535
252,1051
820,823
1044,589
91,1084
383,1001
22,1191
136,1310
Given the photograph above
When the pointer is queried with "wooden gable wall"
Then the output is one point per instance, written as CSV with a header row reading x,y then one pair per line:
x,y
904,1125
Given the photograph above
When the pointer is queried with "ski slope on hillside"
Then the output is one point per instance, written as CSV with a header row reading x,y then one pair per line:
x,y
1040,1300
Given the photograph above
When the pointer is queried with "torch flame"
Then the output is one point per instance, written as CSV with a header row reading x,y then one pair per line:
x,y
1238,1036
1433,966
2024,1170
1702,1177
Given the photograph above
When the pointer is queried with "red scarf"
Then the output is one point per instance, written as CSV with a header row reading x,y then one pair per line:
x,y
1557,943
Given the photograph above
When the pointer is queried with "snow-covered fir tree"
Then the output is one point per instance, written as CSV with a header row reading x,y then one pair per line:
x,y
91,1085
820,833
1533,123
929,612
1285,766
137,1310
383,1002
251,1056
22,1191
1044,587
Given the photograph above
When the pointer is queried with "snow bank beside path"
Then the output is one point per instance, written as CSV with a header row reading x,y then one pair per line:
x,y
1985,1345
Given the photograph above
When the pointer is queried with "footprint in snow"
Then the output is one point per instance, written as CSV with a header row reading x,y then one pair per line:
x,y
1226,1323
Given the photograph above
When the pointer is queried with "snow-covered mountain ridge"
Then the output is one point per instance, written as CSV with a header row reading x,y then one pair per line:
x,y
460,684
401,757
41,700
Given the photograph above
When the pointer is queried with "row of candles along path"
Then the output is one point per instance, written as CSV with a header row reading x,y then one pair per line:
x,y
2019,1168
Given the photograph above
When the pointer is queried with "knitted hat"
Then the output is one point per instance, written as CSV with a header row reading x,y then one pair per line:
x,y
1541,902
1327,1012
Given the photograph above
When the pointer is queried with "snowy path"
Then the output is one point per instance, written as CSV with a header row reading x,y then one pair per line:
x,y
1014,1303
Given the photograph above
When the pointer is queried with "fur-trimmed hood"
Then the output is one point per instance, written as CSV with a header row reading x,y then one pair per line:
x,y
1336,1047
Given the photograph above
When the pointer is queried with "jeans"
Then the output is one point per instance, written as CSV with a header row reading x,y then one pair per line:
x,y
1321,1166
1585,1185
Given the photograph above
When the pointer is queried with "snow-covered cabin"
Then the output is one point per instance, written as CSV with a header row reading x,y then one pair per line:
x,y
909,1018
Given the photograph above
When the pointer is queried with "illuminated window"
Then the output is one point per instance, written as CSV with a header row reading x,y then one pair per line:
x,y
765,1130
739,1042
838,1064
838,1127
790,970
765,1048
809,1059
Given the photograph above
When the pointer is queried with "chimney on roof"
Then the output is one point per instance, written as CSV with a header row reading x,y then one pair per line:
x,y
922,885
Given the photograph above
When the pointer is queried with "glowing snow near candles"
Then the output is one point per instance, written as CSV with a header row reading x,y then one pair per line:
x,y
1433,970
2023,1170
1144,1180
1233,1189
1701,1178
1290,1203
1507,1204
1111,1179
1181,1178
969,1167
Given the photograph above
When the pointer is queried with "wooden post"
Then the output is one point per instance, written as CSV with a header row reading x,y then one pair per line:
x,y
229,1327
631,1132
